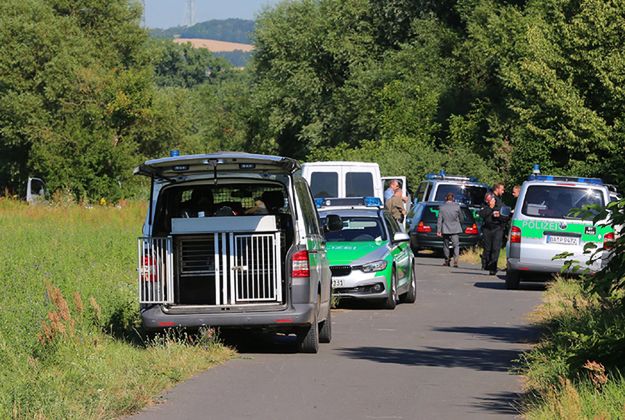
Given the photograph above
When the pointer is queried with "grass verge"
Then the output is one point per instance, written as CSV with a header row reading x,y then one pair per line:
x,y
69,340
474,256
575,370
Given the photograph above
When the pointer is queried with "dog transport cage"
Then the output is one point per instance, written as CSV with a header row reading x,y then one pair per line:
x,y
220,261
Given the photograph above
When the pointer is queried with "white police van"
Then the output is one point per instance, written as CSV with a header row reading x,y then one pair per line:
x,y
545,225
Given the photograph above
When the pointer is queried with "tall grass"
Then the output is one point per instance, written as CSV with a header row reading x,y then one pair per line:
x,y
69,347
575,370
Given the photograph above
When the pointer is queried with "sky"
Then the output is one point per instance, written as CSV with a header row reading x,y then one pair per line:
x,y
168,13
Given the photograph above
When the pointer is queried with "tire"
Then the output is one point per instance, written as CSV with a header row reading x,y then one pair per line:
x,y
411,295
391,297
325,329
513,279
309,338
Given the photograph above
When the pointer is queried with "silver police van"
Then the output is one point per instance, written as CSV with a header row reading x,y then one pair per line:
x,y
544,225
233,240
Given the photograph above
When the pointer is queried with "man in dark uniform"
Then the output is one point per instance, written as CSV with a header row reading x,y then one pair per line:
x,y
493,228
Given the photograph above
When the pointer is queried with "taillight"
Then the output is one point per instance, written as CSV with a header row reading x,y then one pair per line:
x,y
423,228
471,230
515,235
608,240
148,271
300,266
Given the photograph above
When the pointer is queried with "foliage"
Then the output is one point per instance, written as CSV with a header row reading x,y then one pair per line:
x,y
68,313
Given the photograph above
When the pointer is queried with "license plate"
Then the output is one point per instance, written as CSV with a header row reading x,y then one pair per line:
x,y
337,283
562,240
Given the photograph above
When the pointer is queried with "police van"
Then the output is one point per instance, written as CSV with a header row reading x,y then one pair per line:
x,y
544,225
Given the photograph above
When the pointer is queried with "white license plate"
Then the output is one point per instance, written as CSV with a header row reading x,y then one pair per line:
x,y
337,283
562,240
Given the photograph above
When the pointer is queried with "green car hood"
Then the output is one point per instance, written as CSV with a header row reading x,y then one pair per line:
x,y
356,253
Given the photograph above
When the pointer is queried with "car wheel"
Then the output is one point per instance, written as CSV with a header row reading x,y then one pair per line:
x,y
325,329
309,338
391,297
513,279
411,295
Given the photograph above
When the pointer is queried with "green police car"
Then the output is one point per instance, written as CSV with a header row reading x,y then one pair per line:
x,y
545,225
370,258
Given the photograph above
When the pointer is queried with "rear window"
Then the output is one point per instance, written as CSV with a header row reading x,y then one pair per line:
x,y
358,229
471,195
556,202
324,184
208,200
359,184
430,215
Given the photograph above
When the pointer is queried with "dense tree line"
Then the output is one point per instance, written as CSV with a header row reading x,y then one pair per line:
x,y
482,87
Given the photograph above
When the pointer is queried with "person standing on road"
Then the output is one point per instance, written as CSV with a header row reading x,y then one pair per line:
x,y
448,226
395,206
493,227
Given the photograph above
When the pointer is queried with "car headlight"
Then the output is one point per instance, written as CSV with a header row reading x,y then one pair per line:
x,y
374,266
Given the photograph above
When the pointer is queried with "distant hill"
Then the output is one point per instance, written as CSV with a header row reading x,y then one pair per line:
x,y
230,30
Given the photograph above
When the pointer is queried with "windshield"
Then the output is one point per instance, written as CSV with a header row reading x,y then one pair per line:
x,y
556,202
358,229
471,195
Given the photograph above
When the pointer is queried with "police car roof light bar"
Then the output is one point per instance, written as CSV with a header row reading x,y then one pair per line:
x,y
595,181
348,202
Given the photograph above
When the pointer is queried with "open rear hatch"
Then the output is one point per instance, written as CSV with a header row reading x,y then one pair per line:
x,y
218,162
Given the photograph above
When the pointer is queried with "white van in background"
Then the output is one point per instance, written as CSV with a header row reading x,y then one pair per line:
x,y
343,179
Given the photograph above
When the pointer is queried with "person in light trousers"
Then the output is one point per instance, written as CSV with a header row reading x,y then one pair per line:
x,y
449,227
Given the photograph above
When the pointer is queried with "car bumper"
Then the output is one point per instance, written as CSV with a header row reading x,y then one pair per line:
x,y
361,285
436,242
546,266
156,318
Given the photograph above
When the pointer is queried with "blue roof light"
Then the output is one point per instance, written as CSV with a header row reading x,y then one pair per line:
x,y
174,153
372,202
595,181
319,202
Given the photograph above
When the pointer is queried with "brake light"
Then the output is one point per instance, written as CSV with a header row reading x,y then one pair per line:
x,y
608,240
300,266
471,230
423,228
148,271
515,235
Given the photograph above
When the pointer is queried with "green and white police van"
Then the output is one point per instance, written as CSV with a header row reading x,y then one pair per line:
x,y
370,258
544,225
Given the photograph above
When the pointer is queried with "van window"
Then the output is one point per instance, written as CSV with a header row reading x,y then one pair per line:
x,y
308,209
550,201
324,184
359,184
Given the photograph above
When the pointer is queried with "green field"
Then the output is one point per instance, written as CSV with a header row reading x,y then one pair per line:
x,y
70,341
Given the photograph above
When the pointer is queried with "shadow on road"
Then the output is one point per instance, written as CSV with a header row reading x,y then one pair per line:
x,y
501,285
478,359
516,334
501,402
250,342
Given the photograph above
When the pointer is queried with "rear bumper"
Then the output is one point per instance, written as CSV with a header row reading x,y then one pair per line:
x,y
298,315
426,241
546,266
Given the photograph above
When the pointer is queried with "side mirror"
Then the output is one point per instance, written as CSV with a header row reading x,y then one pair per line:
x,y
333,223
401,237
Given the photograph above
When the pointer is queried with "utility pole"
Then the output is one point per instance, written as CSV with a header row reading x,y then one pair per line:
x,y
190,13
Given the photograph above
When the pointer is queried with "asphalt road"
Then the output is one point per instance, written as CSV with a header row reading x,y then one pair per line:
x,y
445,357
